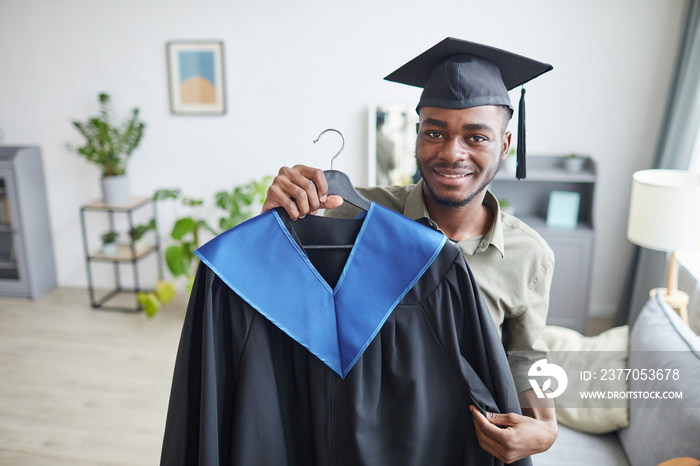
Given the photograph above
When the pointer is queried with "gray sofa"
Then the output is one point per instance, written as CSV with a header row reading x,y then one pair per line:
x,y
658,430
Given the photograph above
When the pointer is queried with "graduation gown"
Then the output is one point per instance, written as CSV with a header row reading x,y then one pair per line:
x,y
334,356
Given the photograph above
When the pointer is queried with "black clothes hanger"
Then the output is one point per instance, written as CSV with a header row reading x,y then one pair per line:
x,y
327,242
339,183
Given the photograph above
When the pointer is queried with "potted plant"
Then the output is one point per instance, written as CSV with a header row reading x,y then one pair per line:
x,y
109,146
573,163
109,243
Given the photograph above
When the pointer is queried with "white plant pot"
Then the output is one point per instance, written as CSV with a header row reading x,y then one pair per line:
x,y
140,245
574,164
109,249
115,190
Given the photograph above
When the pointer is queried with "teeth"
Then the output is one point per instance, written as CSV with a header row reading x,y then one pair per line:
x,y
453,176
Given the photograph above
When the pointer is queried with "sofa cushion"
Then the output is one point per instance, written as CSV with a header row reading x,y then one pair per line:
x,y
575,353
668,428
574,448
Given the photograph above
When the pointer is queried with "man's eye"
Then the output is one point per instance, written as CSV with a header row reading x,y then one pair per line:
x,y
433,134
476,138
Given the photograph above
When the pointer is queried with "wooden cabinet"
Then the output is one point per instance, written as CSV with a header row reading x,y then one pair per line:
x,y
573,247
27,262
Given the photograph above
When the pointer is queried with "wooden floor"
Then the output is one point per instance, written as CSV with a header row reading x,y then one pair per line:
x,y
80,386
85,387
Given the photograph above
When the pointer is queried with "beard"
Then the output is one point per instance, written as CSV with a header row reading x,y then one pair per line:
x,y
455,203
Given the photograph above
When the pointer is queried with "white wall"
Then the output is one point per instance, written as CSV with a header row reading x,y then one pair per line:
x,y
296,68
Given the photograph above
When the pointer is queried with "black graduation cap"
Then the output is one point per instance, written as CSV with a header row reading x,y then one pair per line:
x,y
459,74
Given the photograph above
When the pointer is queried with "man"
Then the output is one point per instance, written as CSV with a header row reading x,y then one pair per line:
x,y
462,139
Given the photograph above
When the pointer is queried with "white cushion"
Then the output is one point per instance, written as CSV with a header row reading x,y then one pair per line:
x,y
576,353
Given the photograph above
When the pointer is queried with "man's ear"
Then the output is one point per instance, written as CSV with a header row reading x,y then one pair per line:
x,y
418,123
507,139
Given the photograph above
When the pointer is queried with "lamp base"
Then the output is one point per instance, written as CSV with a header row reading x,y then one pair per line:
x,y
677,299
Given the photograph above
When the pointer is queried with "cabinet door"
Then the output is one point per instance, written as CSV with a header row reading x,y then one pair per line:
x,y
569,297
13,276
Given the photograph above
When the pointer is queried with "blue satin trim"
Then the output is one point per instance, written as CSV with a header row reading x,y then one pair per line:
x,y
263,264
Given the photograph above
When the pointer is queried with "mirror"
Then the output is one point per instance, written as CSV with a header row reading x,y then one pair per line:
x,y
392,142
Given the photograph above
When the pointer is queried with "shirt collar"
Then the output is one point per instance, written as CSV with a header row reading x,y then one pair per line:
x,y
415,204
415,209
495,235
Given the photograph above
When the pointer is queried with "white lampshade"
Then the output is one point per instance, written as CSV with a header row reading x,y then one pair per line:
x,y
665,210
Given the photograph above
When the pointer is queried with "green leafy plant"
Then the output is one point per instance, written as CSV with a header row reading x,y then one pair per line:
x,y
240,201
110,237
506,206
238,205
138,231
151,302
109,146
179,256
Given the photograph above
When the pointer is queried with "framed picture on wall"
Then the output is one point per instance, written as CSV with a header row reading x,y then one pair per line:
x,y
196,77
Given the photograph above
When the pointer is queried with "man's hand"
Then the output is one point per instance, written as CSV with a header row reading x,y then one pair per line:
x,y
300,190
510,437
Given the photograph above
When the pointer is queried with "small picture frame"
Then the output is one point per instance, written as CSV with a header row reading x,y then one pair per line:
x,y
563,208
196,77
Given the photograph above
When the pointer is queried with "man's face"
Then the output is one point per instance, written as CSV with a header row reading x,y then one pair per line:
x,y
458,152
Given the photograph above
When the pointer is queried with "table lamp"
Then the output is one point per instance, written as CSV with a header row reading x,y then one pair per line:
x,y
665,216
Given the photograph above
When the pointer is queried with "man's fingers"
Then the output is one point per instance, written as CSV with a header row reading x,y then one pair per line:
x,y
492,438
294,190
309,188
482,422
277,197
300,190
319,179
502,420
497,419
486,434
492,428
333,201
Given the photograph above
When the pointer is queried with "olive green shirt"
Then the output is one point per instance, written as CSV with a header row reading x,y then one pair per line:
x,y
512,265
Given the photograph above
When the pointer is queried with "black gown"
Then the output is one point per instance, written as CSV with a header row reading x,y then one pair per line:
x,y
248,389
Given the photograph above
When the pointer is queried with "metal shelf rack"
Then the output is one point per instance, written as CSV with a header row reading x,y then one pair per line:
x,y
127,254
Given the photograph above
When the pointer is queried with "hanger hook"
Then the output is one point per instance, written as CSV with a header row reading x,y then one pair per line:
x,y
341,147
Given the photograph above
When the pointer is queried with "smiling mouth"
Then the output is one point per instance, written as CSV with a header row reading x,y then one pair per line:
x,y
452,176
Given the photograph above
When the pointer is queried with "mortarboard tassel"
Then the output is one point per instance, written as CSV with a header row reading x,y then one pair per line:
x,y
520,170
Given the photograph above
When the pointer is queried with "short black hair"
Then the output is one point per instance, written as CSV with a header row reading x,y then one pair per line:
x,y
507,115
